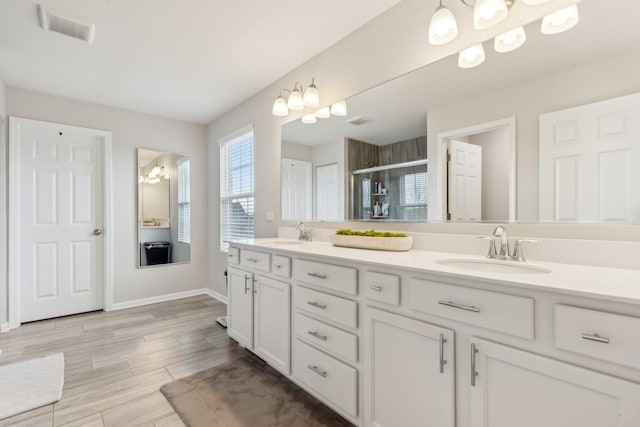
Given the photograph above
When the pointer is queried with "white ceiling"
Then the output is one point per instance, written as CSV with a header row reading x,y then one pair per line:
x,y
191,59
398,108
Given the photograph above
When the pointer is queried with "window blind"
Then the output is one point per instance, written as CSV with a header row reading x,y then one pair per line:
x,y
236,187
184,201
414,197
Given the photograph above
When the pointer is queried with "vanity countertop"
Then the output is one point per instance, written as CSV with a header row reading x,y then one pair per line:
x,y
613,284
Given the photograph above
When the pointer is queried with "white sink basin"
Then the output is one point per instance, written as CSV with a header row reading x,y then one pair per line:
x,y
494,266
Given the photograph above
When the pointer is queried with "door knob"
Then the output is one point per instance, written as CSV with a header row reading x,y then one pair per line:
x,y
97,232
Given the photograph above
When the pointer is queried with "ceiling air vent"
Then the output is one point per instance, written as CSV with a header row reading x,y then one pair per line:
x,y
63,23
360,120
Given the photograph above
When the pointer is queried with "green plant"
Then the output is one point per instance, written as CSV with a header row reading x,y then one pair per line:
x,y
368,233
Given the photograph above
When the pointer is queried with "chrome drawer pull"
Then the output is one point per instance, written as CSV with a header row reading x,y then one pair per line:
x,y
460,306
246,287
230,255
317,275
318,371
595,337
376,288
474,373
278,266
252,259
317,304
442,361
317,335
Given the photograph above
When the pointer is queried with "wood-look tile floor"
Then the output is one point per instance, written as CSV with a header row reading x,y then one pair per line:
x,y
116,362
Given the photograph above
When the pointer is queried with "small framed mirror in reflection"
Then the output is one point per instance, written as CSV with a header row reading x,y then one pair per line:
x,y
164,208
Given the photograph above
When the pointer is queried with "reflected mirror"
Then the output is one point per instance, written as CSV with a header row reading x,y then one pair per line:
x,y
548,132
164,208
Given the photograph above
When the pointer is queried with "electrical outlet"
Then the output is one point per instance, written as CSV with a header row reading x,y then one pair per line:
x,y
268,216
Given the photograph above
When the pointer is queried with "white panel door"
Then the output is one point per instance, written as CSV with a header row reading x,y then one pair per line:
x,y
61,259
240,308
327,193
587,155
518,388
409,372
465,181
272,323
297,193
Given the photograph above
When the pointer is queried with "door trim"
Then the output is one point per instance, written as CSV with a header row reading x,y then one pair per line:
x,y
15,125
441,163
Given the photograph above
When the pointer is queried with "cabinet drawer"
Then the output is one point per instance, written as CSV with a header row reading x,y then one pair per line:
x,y
606,336
335,277
382,287
233,256
330,378
281,266
320,334
339,310
255,260
500,312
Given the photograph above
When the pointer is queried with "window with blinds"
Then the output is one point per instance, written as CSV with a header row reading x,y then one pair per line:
x,y
236,187
413,190
184,201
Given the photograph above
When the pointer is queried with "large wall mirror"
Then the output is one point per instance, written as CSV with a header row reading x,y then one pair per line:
x,y
548,132
164,208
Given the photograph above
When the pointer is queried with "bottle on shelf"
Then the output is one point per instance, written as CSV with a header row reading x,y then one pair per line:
x,y
377,210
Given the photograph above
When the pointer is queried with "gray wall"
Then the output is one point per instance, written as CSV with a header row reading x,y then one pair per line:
x,y
3,204
131,130
390,45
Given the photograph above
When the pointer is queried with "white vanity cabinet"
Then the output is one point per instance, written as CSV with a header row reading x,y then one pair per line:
x,y
518,388
240,307
409,372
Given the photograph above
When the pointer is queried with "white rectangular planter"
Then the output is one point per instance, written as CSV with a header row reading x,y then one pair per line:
x,y
376,243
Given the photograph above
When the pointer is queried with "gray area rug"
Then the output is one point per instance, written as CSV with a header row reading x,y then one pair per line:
x,y
246,392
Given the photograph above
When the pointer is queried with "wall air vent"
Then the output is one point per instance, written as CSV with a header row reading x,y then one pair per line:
x,y
360,120
63,23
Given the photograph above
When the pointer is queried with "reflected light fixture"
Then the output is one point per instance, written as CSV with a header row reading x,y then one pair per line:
x,y
323,113
443,27
309,119
509,41
339,108
297,99
560,21
471,56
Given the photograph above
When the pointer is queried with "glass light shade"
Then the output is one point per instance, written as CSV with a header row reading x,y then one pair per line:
x,y
295,100
487,13
560,21
280,107
167,175
534,2
155,171
443,27
140,179
309,118
323,113
339,108
471,57
511,40
311,96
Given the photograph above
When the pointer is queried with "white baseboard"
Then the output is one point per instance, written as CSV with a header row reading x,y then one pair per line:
x,y
4,327
160,298
216,295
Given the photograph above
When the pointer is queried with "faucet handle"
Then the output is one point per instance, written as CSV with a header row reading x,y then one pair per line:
x,y
492,254
518,255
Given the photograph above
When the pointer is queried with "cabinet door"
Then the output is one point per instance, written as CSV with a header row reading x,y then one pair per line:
x,y
240,308
409,372
272,322
518,388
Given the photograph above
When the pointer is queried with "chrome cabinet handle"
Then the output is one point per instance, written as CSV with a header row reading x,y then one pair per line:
x,y
376,288
252,259
317,304
230,256
278,266
318,371
460,306
317,275
317,335
595,337
442,361
474,373
246,287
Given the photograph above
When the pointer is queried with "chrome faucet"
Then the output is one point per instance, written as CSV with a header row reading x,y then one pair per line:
x,y
504,254
304,233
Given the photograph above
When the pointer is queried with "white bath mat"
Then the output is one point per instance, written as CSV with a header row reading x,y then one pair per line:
x,y
30,384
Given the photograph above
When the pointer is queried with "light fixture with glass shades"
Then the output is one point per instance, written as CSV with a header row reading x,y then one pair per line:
x,y
339,108
297,99
309,119
323,113
443,26
154,175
